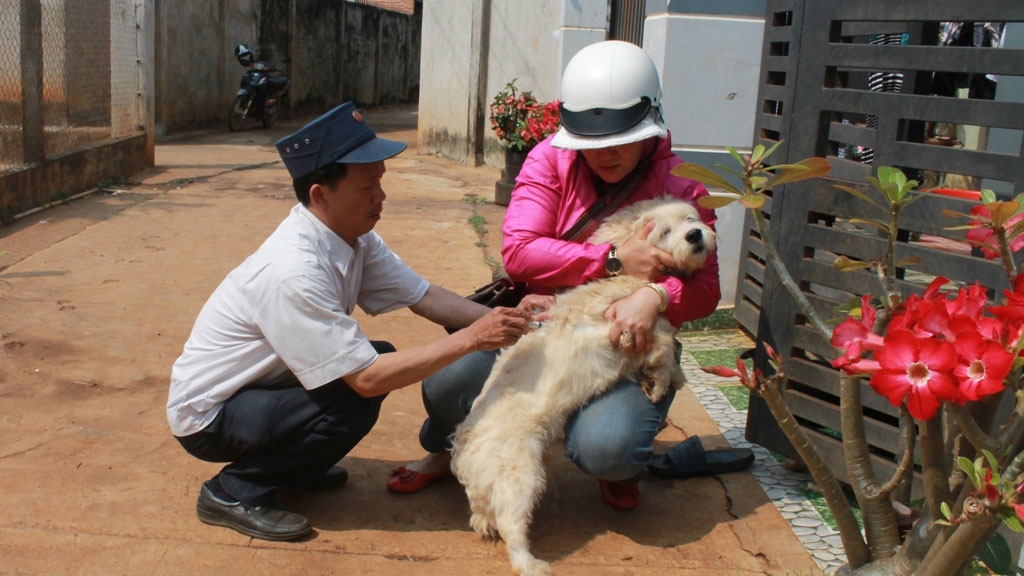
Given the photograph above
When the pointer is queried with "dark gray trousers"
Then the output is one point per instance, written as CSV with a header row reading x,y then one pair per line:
x,y
283,437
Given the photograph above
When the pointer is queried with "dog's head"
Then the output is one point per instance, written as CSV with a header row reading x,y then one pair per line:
x,y
679,231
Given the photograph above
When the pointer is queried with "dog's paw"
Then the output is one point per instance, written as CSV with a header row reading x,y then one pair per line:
x,y
531,567
655,383
483,526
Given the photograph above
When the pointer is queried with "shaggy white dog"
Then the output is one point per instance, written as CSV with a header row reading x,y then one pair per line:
x,y
551,372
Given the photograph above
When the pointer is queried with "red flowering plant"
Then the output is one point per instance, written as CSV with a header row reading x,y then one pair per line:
x,y
519,120
945,357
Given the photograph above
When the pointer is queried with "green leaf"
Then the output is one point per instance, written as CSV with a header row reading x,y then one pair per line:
x,y
805,169
967,466
1016,229
988,196
757,154
715,201
996,554
752,201
874,223
909,261
993,465
736,155
913,199
946,512
704,175
858,194
955,214
1002,211
1014,524
728,170
845,264
772,149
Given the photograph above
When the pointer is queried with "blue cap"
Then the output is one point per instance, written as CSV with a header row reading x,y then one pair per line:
x,y
340,136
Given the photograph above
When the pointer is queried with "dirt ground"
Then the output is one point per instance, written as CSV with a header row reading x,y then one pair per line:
x,y
97,297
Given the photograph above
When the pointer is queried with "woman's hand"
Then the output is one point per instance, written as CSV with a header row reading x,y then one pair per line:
x,y
632,319
641,260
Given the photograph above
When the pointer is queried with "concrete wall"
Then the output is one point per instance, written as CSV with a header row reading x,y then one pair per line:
x,y
196,71
446,85
338,51
470,50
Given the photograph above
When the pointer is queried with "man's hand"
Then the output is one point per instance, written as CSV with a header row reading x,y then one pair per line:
x,y
641,260
499,328
537,305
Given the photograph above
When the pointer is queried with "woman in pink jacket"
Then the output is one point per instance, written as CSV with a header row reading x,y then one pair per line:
x,y
612,139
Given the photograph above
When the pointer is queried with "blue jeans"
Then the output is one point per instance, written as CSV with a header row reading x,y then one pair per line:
x,y
611,437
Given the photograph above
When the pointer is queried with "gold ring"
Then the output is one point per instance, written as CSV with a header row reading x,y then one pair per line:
x,y
626,338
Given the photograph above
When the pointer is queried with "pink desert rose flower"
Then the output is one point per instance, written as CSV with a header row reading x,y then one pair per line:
x,y
917,370
982,367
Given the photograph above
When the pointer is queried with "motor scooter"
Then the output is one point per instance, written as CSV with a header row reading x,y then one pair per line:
x,y
260,92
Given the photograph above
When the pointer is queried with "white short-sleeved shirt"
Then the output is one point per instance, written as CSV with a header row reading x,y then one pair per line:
x,y
287,308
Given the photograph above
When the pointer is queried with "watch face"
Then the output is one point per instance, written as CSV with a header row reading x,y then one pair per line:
x,y
613,266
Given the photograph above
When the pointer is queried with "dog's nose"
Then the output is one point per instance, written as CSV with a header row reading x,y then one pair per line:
x,y
694,236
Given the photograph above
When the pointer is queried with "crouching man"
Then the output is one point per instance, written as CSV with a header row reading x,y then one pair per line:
x,y
277,379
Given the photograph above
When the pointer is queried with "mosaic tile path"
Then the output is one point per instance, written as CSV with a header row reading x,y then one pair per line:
x,y
788,490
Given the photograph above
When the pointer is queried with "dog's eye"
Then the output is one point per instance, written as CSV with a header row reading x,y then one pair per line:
x,y
666,233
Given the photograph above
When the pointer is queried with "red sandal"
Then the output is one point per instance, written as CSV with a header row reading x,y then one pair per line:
x,y
401,480
620,495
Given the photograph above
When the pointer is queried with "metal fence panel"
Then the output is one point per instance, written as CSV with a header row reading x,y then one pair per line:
x,y
865,84
75,65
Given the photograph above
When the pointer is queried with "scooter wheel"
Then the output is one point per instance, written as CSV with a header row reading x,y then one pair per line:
x,y
239,112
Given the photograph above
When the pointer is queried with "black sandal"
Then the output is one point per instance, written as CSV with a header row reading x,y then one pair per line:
x,y
688,458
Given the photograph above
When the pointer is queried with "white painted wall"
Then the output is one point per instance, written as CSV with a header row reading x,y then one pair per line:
x,y
710,68
445,84
524,39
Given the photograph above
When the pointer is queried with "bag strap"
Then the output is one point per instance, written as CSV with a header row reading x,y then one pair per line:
x,y
608,202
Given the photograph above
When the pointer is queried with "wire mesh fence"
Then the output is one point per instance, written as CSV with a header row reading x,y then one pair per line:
x,y
83,87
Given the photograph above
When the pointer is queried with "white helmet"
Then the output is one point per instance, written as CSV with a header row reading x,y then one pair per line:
x,y
611,95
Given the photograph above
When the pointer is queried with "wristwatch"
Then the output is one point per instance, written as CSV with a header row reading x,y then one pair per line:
x,y
612,264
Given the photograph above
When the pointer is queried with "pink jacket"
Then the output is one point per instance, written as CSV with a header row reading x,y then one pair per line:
x,y
554,189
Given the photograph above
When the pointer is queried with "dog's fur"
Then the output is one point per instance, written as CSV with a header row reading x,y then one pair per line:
x,y
551,372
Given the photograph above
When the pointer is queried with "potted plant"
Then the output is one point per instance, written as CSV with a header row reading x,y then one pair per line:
x,y
939,356
520,122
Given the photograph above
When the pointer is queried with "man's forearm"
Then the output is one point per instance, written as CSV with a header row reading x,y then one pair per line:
x,y
446,308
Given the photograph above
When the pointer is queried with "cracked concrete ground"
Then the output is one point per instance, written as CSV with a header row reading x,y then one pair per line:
x,y
97,297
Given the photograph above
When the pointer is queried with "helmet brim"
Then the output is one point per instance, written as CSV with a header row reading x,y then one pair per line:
x,y
650,127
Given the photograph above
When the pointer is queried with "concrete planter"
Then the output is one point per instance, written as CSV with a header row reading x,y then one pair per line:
x,y
513,164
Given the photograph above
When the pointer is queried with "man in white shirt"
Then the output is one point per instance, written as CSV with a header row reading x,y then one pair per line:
x,y
277,379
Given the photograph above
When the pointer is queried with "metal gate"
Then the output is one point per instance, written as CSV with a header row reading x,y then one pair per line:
x,y
935,88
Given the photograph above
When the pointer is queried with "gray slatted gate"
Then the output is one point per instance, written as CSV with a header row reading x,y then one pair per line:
x,y
825,67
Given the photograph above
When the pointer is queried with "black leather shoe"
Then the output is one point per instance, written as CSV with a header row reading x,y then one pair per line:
x,y
264,522
335,478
